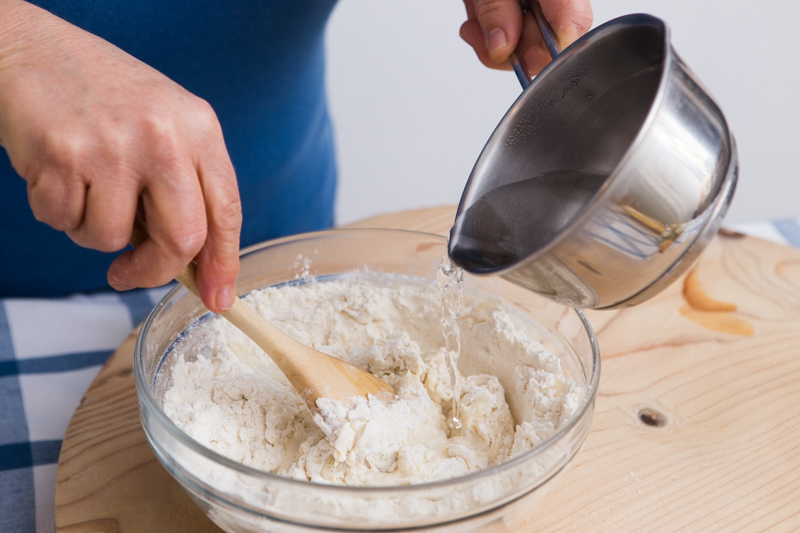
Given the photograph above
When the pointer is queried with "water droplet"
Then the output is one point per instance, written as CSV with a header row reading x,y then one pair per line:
x,y
454,423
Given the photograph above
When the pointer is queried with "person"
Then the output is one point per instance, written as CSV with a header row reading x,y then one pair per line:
x,y
206,119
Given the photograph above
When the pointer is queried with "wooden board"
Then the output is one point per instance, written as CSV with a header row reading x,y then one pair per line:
x,y
696,422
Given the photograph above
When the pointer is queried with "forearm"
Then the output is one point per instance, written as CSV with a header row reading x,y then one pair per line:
x,y
23,27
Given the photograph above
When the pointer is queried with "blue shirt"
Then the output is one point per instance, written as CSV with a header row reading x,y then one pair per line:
x,y
260,64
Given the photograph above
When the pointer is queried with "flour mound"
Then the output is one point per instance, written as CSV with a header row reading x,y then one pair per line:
x,y
391,327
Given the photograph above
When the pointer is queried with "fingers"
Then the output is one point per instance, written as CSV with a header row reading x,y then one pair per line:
x,y
57,202
174,211
218,262
495,28
56,188
570,19
110,207
532,47
192,210
172,205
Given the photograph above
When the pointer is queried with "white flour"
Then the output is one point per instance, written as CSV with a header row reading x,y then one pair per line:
x,y
392,328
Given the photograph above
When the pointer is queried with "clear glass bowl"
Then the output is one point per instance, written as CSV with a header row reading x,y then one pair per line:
x,y
242,499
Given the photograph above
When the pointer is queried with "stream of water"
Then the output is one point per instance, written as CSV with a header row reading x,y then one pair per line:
x,y
450,280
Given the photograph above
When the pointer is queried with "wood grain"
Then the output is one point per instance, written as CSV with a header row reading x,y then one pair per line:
x,y
695,429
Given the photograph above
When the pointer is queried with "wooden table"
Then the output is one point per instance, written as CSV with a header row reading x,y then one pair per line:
x,y
696,428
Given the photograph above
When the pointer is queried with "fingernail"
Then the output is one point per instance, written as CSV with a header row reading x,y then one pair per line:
x,y
225,297
497,40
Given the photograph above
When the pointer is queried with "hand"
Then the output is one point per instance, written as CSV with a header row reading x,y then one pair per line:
x,y
98,136
494,27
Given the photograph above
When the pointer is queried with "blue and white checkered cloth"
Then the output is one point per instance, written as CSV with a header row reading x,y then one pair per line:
x,y
51,350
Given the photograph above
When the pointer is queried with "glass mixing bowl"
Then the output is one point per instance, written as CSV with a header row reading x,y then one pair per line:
x,y
239,498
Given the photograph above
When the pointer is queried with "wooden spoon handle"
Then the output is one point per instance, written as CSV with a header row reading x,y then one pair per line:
x,y
312,374
269,338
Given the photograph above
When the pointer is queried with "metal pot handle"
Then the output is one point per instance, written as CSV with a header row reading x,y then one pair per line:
x,y
549,36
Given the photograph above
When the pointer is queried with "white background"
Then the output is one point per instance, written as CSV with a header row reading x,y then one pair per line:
x,y
412,106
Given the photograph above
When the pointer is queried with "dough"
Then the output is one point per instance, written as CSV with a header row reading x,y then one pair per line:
x,y
513,395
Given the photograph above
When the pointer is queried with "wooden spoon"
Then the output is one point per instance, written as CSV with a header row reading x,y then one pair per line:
x,y
312,374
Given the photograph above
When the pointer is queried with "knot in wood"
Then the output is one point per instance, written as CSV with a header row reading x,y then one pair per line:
x,y
651,417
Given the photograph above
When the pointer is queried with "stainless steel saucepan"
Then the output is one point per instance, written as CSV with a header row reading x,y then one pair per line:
x,y
606,178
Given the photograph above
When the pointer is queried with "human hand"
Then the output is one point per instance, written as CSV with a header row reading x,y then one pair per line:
x,y
494,27
99,136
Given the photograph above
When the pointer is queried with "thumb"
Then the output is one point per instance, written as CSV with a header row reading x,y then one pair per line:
x,y
501,26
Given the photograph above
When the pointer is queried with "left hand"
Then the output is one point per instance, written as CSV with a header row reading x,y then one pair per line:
x,y
494,27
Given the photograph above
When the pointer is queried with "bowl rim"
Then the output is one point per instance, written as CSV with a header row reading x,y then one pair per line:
x,y
148,402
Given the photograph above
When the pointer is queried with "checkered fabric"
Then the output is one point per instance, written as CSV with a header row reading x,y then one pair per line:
x,y
51,350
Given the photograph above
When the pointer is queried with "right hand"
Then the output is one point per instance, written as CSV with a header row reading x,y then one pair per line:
x,y
98,135
495,28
